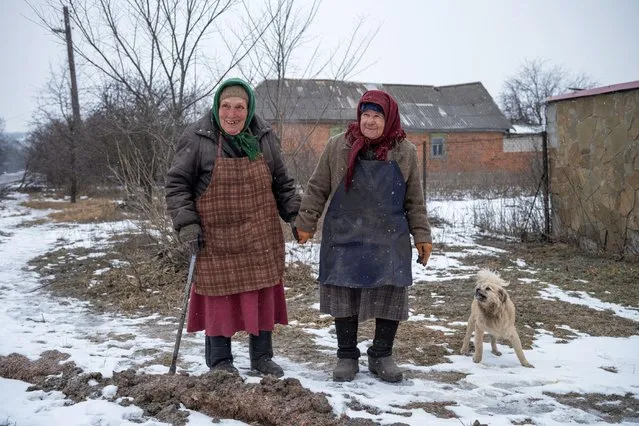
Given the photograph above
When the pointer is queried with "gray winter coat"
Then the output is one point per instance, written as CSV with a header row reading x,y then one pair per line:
x,y
190,173
330,172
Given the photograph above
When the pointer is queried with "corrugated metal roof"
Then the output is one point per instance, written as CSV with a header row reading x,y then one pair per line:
x,y
462,107
596,91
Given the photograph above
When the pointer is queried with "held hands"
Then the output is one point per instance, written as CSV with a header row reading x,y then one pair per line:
x,y
191,236
423,250
303,236
300,235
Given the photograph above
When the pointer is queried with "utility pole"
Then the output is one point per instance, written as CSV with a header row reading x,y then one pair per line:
x,y
75,103
546,184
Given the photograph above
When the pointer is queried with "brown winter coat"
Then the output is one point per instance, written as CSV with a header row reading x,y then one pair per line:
x,y
190,173
330,172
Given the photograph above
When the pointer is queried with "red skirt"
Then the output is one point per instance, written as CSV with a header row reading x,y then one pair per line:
x,y
250,311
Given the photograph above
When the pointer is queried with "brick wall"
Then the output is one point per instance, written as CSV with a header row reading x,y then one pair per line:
x,y
475,161
313,136
470,160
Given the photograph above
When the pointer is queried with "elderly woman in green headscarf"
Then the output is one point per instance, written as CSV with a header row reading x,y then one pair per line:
x,y
226,192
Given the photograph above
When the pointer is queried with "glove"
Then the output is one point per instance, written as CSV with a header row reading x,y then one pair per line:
x,y
423,250
303,236
191,236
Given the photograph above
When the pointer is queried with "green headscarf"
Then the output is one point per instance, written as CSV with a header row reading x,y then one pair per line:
x,y
244,140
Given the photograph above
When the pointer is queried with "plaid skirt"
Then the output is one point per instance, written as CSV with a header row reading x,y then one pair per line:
x,y
387,302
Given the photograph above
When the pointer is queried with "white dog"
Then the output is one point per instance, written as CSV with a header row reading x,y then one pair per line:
x,y
494,312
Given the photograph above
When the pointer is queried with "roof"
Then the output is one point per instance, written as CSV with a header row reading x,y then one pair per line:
x,y
596,91
462,107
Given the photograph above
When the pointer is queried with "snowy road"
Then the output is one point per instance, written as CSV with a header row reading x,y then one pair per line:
x,y
9,178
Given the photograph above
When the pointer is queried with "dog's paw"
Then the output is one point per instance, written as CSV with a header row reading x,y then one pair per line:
x,y
527,364
476,359
467,349
496,353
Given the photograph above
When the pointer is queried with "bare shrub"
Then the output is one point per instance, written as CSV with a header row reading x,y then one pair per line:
x,y
518,216
156,225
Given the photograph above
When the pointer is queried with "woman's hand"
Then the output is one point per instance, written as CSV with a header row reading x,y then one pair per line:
x,y
303,236
191,236
424,250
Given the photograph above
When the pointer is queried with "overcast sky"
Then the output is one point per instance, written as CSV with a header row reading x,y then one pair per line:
x,y
418,42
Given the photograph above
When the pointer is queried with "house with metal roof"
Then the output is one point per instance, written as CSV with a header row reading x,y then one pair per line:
x,y
458,129
593,139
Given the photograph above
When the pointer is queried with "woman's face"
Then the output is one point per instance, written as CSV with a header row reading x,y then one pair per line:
x,y
233,112
371,123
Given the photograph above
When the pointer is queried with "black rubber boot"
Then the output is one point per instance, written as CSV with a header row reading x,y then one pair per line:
x,y
347,351
261,354
380,359
218,355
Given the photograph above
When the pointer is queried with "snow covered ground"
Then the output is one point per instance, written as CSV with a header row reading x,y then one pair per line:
x,y
8,178
498,391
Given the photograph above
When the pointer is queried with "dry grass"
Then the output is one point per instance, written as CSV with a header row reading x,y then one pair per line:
x,y
141,283
83,211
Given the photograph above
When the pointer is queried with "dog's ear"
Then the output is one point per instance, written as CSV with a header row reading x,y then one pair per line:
x,y
503,295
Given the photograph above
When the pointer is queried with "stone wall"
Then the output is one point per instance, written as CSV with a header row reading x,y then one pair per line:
x,y
594,170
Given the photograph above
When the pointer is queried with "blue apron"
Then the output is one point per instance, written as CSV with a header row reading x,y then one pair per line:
x,y
365,237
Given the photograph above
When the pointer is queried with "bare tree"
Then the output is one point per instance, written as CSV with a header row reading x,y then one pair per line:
x,y
50,145
524,94
48,153
274,51
148,49
143,45
53,149
274,58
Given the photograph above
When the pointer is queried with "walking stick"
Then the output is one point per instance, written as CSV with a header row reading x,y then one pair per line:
x,y
187,293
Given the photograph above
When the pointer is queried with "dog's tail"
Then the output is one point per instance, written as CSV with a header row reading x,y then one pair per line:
x,y
484,275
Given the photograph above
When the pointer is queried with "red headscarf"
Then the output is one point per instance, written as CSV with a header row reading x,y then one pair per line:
x,y
393,132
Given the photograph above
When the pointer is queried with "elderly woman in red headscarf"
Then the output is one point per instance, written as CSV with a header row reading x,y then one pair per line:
x,y
370,180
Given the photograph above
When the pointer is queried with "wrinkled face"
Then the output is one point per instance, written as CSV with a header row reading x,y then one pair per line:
x,y
233,112
371,124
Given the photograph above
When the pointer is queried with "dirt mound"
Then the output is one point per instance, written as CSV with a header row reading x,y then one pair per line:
x,y
217,394
19,367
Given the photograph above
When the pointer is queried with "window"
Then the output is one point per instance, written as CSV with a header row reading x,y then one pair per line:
x,y
437,146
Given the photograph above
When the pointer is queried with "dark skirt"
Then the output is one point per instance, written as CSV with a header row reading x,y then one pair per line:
x,y
387,302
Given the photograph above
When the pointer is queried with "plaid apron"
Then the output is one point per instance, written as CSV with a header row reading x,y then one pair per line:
x,y
243,240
